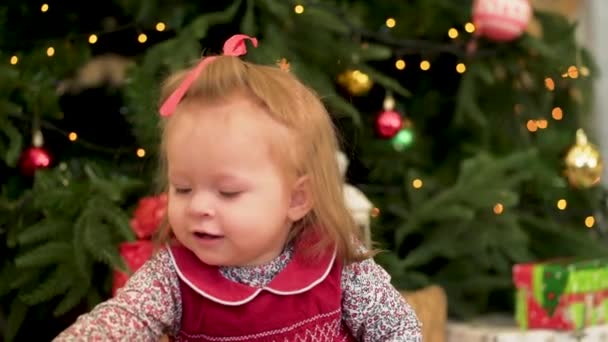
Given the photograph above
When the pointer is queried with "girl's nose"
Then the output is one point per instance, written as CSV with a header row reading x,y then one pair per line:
x,y
202,204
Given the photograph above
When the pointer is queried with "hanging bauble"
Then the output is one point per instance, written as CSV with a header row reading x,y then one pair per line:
x,y
355,82
34,157
583,163
388,121
405,137
501,20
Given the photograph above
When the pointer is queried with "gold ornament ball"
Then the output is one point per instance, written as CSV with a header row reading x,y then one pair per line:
x,y
375,212
355,81
583,163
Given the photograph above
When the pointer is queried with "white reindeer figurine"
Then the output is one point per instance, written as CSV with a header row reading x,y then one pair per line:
x,y
356,201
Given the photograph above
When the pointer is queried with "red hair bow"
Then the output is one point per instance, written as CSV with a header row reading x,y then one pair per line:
x,y
234,46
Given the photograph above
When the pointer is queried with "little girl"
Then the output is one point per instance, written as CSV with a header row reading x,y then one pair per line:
x,y
261,246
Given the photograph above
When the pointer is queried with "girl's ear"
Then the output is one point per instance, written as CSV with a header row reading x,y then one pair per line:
x,y
301,199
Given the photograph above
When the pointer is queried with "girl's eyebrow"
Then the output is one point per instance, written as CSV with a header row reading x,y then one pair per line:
x,y
228,177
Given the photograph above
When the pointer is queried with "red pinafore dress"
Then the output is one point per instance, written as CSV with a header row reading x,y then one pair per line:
x,y
302,303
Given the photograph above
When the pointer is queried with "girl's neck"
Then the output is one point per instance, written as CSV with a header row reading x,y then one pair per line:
x,y
259,275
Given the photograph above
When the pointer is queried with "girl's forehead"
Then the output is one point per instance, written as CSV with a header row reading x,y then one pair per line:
x,y
237,122
233,108
238,114
216,128
230,126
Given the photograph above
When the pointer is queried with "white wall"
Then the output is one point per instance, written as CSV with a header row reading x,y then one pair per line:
x,y
593,33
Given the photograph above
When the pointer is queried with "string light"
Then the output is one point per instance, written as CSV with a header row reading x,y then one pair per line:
x,y
562,204
584,71
531,126
417,183
141,152
44,8
425,65
573,72
542,123
589,221
299,9
453,33
391,22
498,208
400,64
461,68
469,27
72,136
557,113
549,83
93,38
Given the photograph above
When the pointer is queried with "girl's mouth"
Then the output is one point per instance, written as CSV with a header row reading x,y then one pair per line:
x,y
206,236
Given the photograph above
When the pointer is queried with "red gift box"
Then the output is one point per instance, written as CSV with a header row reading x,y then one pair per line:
x,y
561,295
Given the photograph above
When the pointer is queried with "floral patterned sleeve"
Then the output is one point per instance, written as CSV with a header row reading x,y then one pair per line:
x,y
147,307
373,309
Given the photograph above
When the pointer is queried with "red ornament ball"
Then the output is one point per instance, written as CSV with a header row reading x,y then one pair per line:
x,y
32,159
501,20
388,123
135,254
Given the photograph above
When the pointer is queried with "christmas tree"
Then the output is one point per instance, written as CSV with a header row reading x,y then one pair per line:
x,y
464,125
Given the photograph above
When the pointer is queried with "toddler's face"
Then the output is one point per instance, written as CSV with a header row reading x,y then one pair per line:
x,y
229,201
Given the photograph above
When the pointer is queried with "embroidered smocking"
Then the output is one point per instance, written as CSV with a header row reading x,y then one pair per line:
x,y
324,329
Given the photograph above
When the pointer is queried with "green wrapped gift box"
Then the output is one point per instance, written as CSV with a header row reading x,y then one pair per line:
x,y
561,294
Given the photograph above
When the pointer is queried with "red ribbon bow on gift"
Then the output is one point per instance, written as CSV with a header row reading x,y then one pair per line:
x,y
146,220
234,46
135,254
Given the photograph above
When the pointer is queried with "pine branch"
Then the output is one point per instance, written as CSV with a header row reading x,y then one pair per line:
x,y
400,46
20,278
82,259
72,298
21,45
15,143
386,81
118,220
70,249
17,313
43,255
8,271
48,125
99,244
55,284
45,229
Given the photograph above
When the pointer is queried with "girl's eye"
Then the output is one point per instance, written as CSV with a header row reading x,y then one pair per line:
x,y
182,190
230,194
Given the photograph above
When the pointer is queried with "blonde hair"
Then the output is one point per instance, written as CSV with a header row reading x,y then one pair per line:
x,y
311,149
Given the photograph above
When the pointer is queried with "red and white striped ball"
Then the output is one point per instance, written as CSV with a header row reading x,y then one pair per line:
x,y
501,20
